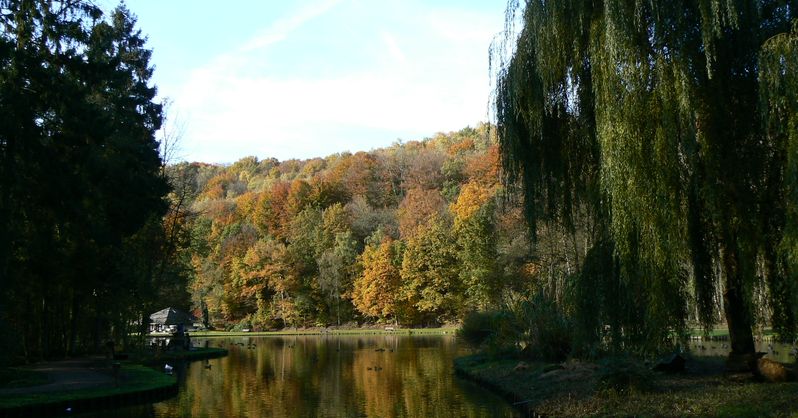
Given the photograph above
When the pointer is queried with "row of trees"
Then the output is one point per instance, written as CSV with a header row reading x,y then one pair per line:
x,y
654,145
82,193
417,233
665,134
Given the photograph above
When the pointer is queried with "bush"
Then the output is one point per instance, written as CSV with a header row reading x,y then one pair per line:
x,y
491,331
623,374
545,332
265,323
245,323
476,328
536,326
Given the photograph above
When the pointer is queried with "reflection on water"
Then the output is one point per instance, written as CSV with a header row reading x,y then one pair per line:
x,y
334,376
784,353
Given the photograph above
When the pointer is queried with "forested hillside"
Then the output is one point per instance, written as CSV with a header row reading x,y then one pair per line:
x,y
418,233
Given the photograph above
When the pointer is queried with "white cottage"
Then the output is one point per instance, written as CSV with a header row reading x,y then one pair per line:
x,y
171,320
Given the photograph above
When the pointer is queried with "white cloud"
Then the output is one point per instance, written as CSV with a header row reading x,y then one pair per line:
x,y
419,90
282,28
393,48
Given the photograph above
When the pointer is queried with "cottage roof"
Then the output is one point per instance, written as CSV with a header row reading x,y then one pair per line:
x,y
171,316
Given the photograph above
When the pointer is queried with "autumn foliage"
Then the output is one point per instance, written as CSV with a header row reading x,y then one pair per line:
x,y
409,233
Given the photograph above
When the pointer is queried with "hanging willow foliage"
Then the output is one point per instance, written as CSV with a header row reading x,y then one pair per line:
x,y
651,113
545,119
778,79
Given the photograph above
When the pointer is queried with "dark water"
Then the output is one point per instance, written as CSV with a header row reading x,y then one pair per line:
x,y
326,376
775,351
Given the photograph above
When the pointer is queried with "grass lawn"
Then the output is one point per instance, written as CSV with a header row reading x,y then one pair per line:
x,y
704,390
723,331
133,378
14,377
136,382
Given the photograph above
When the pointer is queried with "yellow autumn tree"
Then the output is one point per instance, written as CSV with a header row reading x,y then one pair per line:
x,y
375,289
472,197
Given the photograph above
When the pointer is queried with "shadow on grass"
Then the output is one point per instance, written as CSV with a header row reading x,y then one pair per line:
x,y
13,377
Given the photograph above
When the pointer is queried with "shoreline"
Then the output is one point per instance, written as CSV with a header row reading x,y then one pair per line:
x,y
196,354
147,385
512,398
321,331
137,382
574,389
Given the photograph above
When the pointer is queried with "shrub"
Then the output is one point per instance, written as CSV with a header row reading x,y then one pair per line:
x,y
624,373
491,331
545,332
476,328
245,323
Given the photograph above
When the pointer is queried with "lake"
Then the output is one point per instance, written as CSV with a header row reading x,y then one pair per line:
x,y
326,376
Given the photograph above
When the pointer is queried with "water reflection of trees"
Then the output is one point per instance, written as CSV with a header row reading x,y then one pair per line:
x,y
328,376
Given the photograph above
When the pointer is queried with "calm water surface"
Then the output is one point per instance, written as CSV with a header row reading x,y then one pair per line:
x,y
326,376
775,351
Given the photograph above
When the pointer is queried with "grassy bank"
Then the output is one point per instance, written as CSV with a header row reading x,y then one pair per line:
x,y
322,331
17,377
198,353
136,383
133,380
577,389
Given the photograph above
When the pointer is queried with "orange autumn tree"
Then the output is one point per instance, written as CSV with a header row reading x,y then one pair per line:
x,y
271,212
418,207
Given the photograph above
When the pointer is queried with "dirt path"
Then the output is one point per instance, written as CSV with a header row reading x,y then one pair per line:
x,y
70,374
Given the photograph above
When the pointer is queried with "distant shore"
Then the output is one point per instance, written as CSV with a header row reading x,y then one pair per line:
x,y
320,331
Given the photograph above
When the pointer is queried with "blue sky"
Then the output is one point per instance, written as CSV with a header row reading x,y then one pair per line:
x,y
300,79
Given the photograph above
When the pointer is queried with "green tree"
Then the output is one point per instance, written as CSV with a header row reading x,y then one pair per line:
x,y
430,281
304,241
778,85
334,221
477,256
649,115
336,271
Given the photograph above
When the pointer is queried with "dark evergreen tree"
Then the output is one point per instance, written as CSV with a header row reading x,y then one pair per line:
x,y
81,194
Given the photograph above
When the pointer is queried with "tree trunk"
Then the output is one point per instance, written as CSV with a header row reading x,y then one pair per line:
x,y
73,325
741,338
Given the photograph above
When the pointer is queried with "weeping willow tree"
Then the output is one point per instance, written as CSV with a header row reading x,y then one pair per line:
x,y
778,80
674,123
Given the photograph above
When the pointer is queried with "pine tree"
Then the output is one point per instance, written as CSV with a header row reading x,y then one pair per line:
x,y
81,191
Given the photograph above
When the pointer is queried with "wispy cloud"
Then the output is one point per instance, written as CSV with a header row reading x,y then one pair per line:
x,y
283,27
393,47
408,83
